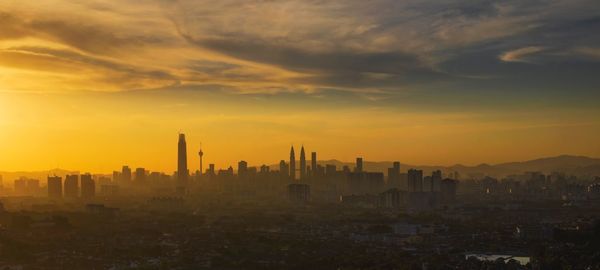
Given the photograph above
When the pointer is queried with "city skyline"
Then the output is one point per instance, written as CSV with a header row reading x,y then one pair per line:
x,y
296,169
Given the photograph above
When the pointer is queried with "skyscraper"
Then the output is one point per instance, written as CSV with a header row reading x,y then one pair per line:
x,y
54,187
436,181
292,164
140,176
182,169
302,163
284,170
242,169
88,186
359,165
313,163
126,175
211,169
394,175
415,180
71,186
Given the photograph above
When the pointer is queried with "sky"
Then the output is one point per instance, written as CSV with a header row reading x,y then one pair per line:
x,y
94,85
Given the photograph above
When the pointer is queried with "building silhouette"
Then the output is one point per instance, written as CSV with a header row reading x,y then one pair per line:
x,y
299,193
394,175
182,169
20,186
302,163
71,186
359,165
125,178
292,164
88,186
448,190
330,170
211,169
284,170
55,188
427,184
365,182
242,169
140,176
436,181
313,164
415,180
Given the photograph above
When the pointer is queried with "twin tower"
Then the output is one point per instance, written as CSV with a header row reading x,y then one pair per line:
x,y
304,170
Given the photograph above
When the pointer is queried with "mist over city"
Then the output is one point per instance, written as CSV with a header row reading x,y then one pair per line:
x,y
299,134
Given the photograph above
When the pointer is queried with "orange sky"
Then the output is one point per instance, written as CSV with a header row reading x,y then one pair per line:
x,y
94,85
101,132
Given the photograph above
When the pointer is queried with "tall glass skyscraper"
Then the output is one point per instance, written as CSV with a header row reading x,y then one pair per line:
x,y
182,169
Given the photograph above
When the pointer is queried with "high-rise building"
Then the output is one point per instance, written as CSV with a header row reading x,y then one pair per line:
x,y
359,165
55,187
116,177
436,181
365,182
394,176
299,193
26,186
330,170
448,190
140,176
313,163
125,175
284,169
319,171
88,186
211,169
33,186
415,180
302,163
182,169
71,186
427,184
242,168
292,164
20,186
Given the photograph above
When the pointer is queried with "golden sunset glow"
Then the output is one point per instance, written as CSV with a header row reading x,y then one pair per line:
x,y
94,85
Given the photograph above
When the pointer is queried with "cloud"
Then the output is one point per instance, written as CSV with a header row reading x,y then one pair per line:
x,y
101,74
521,54
302,45
589,52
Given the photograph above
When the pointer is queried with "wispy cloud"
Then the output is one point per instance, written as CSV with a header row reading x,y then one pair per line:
x,y
592,53
521,54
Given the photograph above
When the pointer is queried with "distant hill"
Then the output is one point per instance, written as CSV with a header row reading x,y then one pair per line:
x,y
560,163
